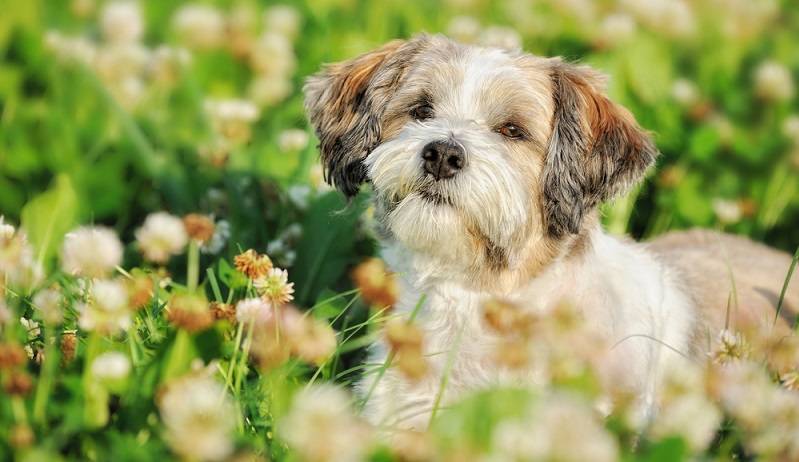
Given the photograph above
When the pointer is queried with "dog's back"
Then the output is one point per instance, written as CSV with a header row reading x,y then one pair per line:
x,y
711,262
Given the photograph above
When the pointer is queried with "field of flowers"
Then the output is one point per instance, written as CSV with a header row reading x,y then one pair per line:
x,y
178,282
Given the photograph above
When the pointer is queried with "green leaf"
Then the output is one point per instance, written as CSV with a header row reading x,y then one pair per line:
x,y
705,141
49,216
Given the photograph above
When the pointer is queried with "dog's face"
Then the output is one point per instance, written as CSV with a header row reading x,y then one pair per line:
x,y
480,157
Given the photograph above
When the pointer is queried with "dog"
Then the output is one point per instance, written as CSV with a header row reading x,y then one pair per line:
x,y
487,166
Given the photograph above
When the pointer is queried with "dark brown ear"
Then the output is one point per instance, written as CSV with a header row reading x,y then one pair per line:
x,y
597,150
345,102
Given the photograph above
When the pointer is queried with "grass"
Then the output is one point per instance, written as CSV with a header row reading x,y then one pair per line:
x,y
102,125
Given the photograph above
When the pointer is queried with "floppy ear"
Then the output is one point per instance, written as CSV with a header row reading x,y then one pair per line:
x,y
344,103
597,150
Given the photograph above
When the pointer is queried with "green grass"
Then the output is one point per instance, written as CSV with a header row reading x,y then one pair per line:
x,y
110,139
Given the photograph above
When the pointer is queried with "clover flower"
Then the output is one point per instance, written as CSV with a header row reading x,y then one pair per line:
x,y
691,417
274,287
199,26
161,236
773,82
121,21
730,346
107,310
292,140
322,426
111,369
92,251
379,287
50,305
463,28
190,312
199,417
31,326
254,310
252,264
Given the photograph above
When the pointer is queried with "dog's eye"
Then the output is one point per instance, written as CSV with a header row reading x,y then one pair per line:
x,y
423,112
511,131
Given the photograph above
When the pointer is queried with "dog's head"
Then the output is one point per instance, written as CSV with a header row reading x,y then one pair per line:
x,y
474,154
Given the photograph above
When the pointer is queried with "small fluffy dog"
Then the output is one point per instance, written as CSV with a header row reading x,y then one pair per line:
x,y
487,166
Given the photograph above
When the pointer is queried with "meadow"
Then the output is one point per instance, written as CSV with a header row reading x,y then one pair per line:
x,y
179,282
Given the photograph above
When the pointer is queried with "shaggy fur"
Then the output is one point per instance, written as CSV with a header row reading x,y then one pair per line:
x,y
529,147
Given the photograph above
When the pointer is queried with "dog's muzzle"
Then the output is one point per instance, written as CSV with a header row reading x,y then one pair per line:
x,y
443,159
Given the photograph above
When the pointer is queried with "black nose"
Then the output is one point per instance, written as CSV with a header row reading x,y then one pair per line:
x,y
442,159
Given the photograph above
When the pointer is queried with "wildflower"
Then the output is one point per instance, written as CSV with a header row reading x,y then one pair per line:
x,y
166,63
790,128
6,231
727,211
254,310
280,250
314,342
500,36
299,195
691,417
406,340
111,369
272,56
274,287
199,418
11,355
379,287
790,380
21,436
549,430
252,264
50,305
292,140
161,236
18,384
141,289
91,251
69,343
12,248
773,82
505,317
190,312
269,90
223,311
685,92
199,227
284,20
107,311
463,28
121,21
232,118
730,346
31,326
616,28
321,426
199,26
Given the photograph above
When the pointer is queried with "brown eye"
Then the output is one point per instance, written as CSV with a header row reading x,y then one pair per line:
x,y
511,131
423,112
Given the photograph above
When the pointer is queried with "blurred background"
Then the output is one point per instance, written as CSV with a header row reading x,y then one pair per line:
x,y
110,110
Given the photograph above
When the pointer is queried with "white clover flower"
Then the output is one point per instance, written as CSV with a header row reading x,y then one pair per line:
x,y
273,54
31,326
254,310
790,128
269,90
284,20
550,430
274,287
730,346
6,231
500,36
107,310
691,417
199,26
28,272
685,92
91,251
228,111
773,82
617,27
322,426
49,302
121,21
464,28
199,417
161,236
299,195
293,140
111,368
727,211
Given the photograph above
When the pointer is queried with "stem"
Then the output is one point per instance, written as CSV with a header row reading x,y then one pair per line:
x,y
45,379
228,377
193,271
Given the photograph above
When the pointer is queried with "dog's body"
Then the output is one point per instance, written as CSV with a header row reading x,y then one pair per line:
x,y
486,167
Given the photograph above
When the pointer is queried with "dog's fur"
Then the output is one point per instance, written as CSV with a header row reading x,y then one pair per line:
x,y
515,217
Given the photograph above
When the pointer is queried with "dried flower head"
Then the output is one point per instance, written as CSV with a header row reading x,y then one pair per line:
x,y
505,317
274,287
91,251
141,289
189,312
252,264
223,311
161,236
199,227
199,417
379,287
11,355
406,340
19,383
69,342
